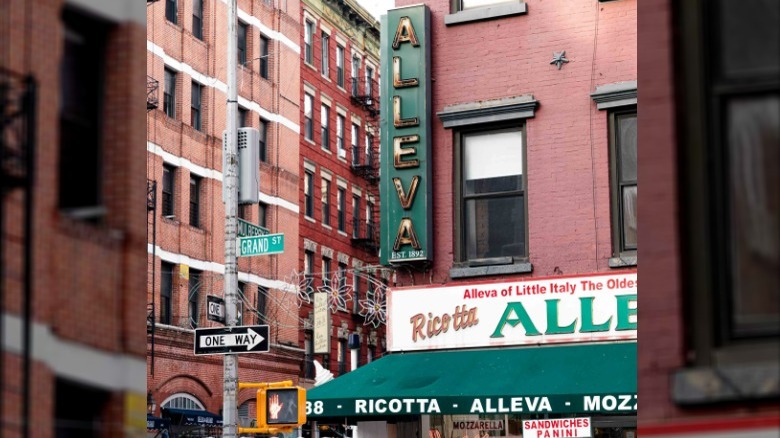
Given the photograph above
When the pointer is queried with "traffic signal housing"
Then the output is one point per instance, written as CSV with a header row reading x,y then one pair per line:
x,y
281,407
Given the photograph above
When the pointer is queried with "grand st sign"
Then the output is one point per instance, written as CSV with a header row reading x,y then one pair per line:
x,y
597,307
406,233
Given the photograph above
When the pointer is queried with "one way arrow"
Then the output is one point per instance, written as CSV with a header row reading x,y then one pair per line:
x,y
250,339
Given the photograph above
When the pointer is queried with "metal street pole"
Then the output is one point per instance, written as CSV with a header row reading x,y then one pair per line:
x,y
230,179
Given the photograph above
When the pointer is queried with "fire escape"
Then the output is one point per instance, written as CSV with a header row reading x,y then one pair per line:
x,y
152,102
365,161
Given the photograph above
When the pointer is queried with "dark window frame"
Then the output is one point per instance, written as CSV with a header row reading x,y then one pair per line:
x,y
262,214
242,43
264,54
308,117
459,238
308,41
308,194
195,198
341,122
341,207
169,92
169,191
325,127
263,136
197,19
355,216
340,50
172,11
620,250
166,292
196,104
325,49
194,285
261,303
325,200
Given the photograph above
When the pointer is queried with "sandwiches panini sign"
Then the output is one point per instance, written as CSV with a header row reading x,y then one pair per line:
x,y
598,307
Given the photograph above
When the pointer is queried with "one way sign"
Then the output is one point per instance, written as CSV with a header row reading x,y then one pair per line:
x,y
237,339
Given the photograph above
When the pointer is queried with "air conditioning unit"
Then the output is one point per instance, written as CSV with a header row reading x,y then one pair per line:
x,y
248,141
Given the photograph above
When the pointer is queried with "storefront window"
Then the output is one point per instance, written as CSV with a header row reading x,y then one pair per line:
x,y
511,426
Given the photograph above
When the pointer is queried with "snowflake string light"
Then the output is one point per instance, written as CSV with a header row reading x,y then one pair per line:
x,y
374,308
338,293
302,286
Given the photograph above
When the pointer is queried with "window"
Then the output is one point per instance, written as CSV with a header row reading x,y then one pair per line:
x,y
308,115
308,193
342,275
355,216
355,151
263,135
355,68
197,19
325,271
193,295
355,293
260,305
492,210
308,271
370,219
342,207
263,57
624,182
324,120
325,54
171,11
169,94
307,41
340,120
262,215
369,81
464,11
169,173
243,211
195,201
325,191
242,114
183,401
369,152
309,358
81,94
197,92
340,66
166,292
242,291
242,31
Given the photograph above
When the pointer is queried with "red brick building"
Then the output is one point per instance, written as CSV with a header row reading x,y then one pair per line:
x,y
509,220
339,158
71,234
186,69
710,307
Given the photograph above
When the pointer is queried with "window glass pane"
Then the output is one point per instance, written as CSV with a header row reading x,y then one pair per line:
x,y
494,227
754,192
492,161
629,217
627,142
749,37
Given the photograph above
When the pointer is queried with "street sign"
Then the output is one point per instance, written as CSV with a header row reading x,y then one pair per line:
x,y
237,339
261,245
247,229
215,309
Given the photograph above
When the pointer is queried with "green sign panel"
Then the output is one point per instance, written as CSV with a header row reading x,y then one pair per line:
x,y
261,245
246,229
406,225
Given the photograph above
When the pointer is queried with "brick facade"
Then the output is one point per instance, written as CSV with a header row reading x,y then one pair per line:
x,y
84,283
349,26
173,370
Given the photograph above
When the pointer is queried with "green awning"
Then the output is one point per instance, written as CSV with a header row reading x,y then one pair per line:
x,y
561,379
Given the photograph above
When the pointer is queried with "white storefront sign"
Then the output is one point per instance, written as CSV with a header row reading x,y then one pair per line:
x,y
597,307
557,428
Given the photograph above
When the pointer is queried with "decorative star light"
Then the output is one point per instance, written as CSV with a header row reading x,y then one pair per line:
x,y
302,286
559,58
338,294
374,309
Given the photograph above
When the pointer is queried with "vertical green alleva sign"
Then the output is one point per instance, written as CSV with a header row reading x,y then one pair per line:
x,y
406,136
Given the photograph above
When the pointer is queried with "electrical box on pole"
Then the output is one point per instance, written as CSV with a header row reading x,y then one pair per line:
x,y
248,165
281,407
